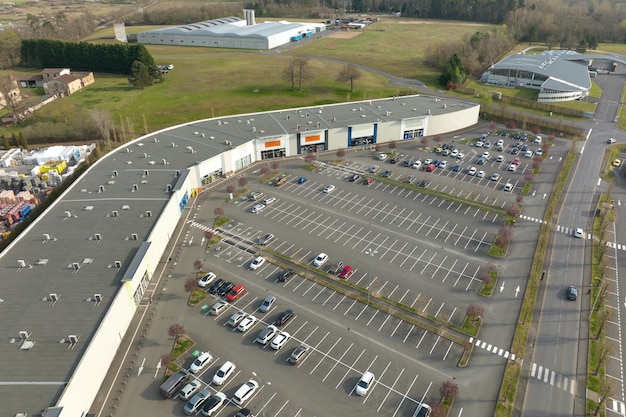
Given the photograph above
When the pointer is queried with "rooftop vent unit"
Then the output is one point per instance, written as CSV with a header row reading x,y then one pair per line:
x,y
144,181
68,214
202,134
135,188
428,112
173,145
125,207
98,237
115,173
248,121
155,140
118,264
168,188
127,150
145,155
134,236
53,298
254,128
73,339
148,213
444,105
21,263
101,189
287,117
227,142
319,111
177,174
196,133
88,208
212,137
46,237
115,213
297,127
97,298
219,122
24,335
164,162
75,266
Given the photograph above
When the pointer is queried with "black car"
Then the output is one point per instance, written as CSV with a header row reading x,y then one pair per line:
x,y
386,174
514,151
215,286
395,160
244,412
285,275
406,163
456,168
572,293
354,177
284,317
424,183
225,288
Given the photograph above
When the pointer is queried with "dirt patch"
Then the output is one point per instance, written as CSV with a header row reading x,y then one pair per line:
x,y
437,22
345,34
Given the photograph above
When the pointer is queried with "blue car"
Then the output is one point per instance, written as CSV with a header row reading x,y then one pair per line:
x,y
302,180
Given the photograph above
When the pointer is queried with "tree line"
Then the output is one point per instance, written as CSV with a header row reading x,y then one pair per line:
x,y
108,58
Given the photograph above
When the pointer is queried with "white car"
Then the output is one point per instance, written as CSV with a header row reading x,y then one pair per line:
x,y
611,140
329,189
579,233
320,260
200,362
257,208
246,324
512,167
500,158
190,389
245,391
416,164
486,155
364,383
268,200
538,152
508,187
454,153
428,161
257,263
479,144
374,169
528,154
236,318
206,280
382,156
280,340
213,403
481,174
224,372
443,164
495,177
472,171
500,142
267,334
461,155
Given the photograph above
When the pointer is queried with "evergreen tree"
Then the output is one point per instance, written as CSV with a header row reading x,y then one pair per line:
x,y
140,75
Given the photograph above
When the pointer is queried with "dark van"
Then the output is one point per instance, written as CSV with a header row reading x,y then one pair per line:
x,y
173,384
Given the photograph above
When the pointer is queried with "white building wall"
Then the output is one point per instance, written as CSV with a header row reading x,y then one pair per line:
x,y
444,123
84,385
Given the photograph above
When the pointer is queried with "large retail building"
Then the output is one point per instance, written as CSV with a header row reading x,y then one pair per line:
x,y
74,280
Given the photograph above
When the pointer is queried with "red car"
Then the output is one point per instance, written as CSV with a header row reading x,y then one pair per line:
x,y
346,272
368,181
429,167
235,293
516,161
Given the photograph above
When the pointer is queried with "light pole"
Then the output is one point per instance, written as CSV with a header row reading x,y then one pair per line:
x,y
262,395
371,252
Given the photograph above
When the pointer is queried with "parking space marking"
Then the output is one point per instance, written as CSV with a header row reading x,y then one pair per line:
x,y
408,257
396,328
384,322
388,248
379,211
344,233
390,390
339,302
353,236
349,369
372,318
337,361
448,351
472,278
405,395
350,307
362,311
321,291
449,271
405,218
376,382
408,333
324,355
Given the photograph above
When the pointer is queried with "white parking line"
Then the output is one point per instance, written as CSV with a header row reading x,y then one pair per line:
x,y
324,356
384,322
313,284
448,351
350,307
405,396
339,302
337,361
408,333
434,345
349,368
389,392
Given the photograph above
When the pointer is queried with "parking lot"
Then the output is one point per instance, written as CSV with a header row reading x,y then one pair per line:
x,y
424,247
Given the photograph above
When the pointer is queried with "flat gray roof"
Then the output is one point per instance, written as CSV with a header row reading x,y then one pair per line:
x,y
81,229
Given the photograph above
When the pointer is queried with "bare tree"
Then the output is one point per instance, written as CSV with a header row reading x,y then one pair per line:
x,y
485,277
310,157
449,389
230,189
265,168
275,165
519,198
545,147
475,311
510,124
393,145
103,122
349,73
166,358
176,330
297,71
605,392
190,284
537,160
341,153
208,235
242,182
492,125
424,140
197,265
377,147
536,130
218,211
9,48
438,138
438,410
10,96
513,210
530,177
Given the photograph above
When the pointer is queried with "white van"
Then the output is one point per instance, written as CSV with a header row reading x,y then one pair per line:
x,y
245,391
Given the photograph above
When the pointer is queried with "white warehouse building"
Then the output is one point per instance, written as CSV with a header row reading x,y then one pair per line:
x,y
232,32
